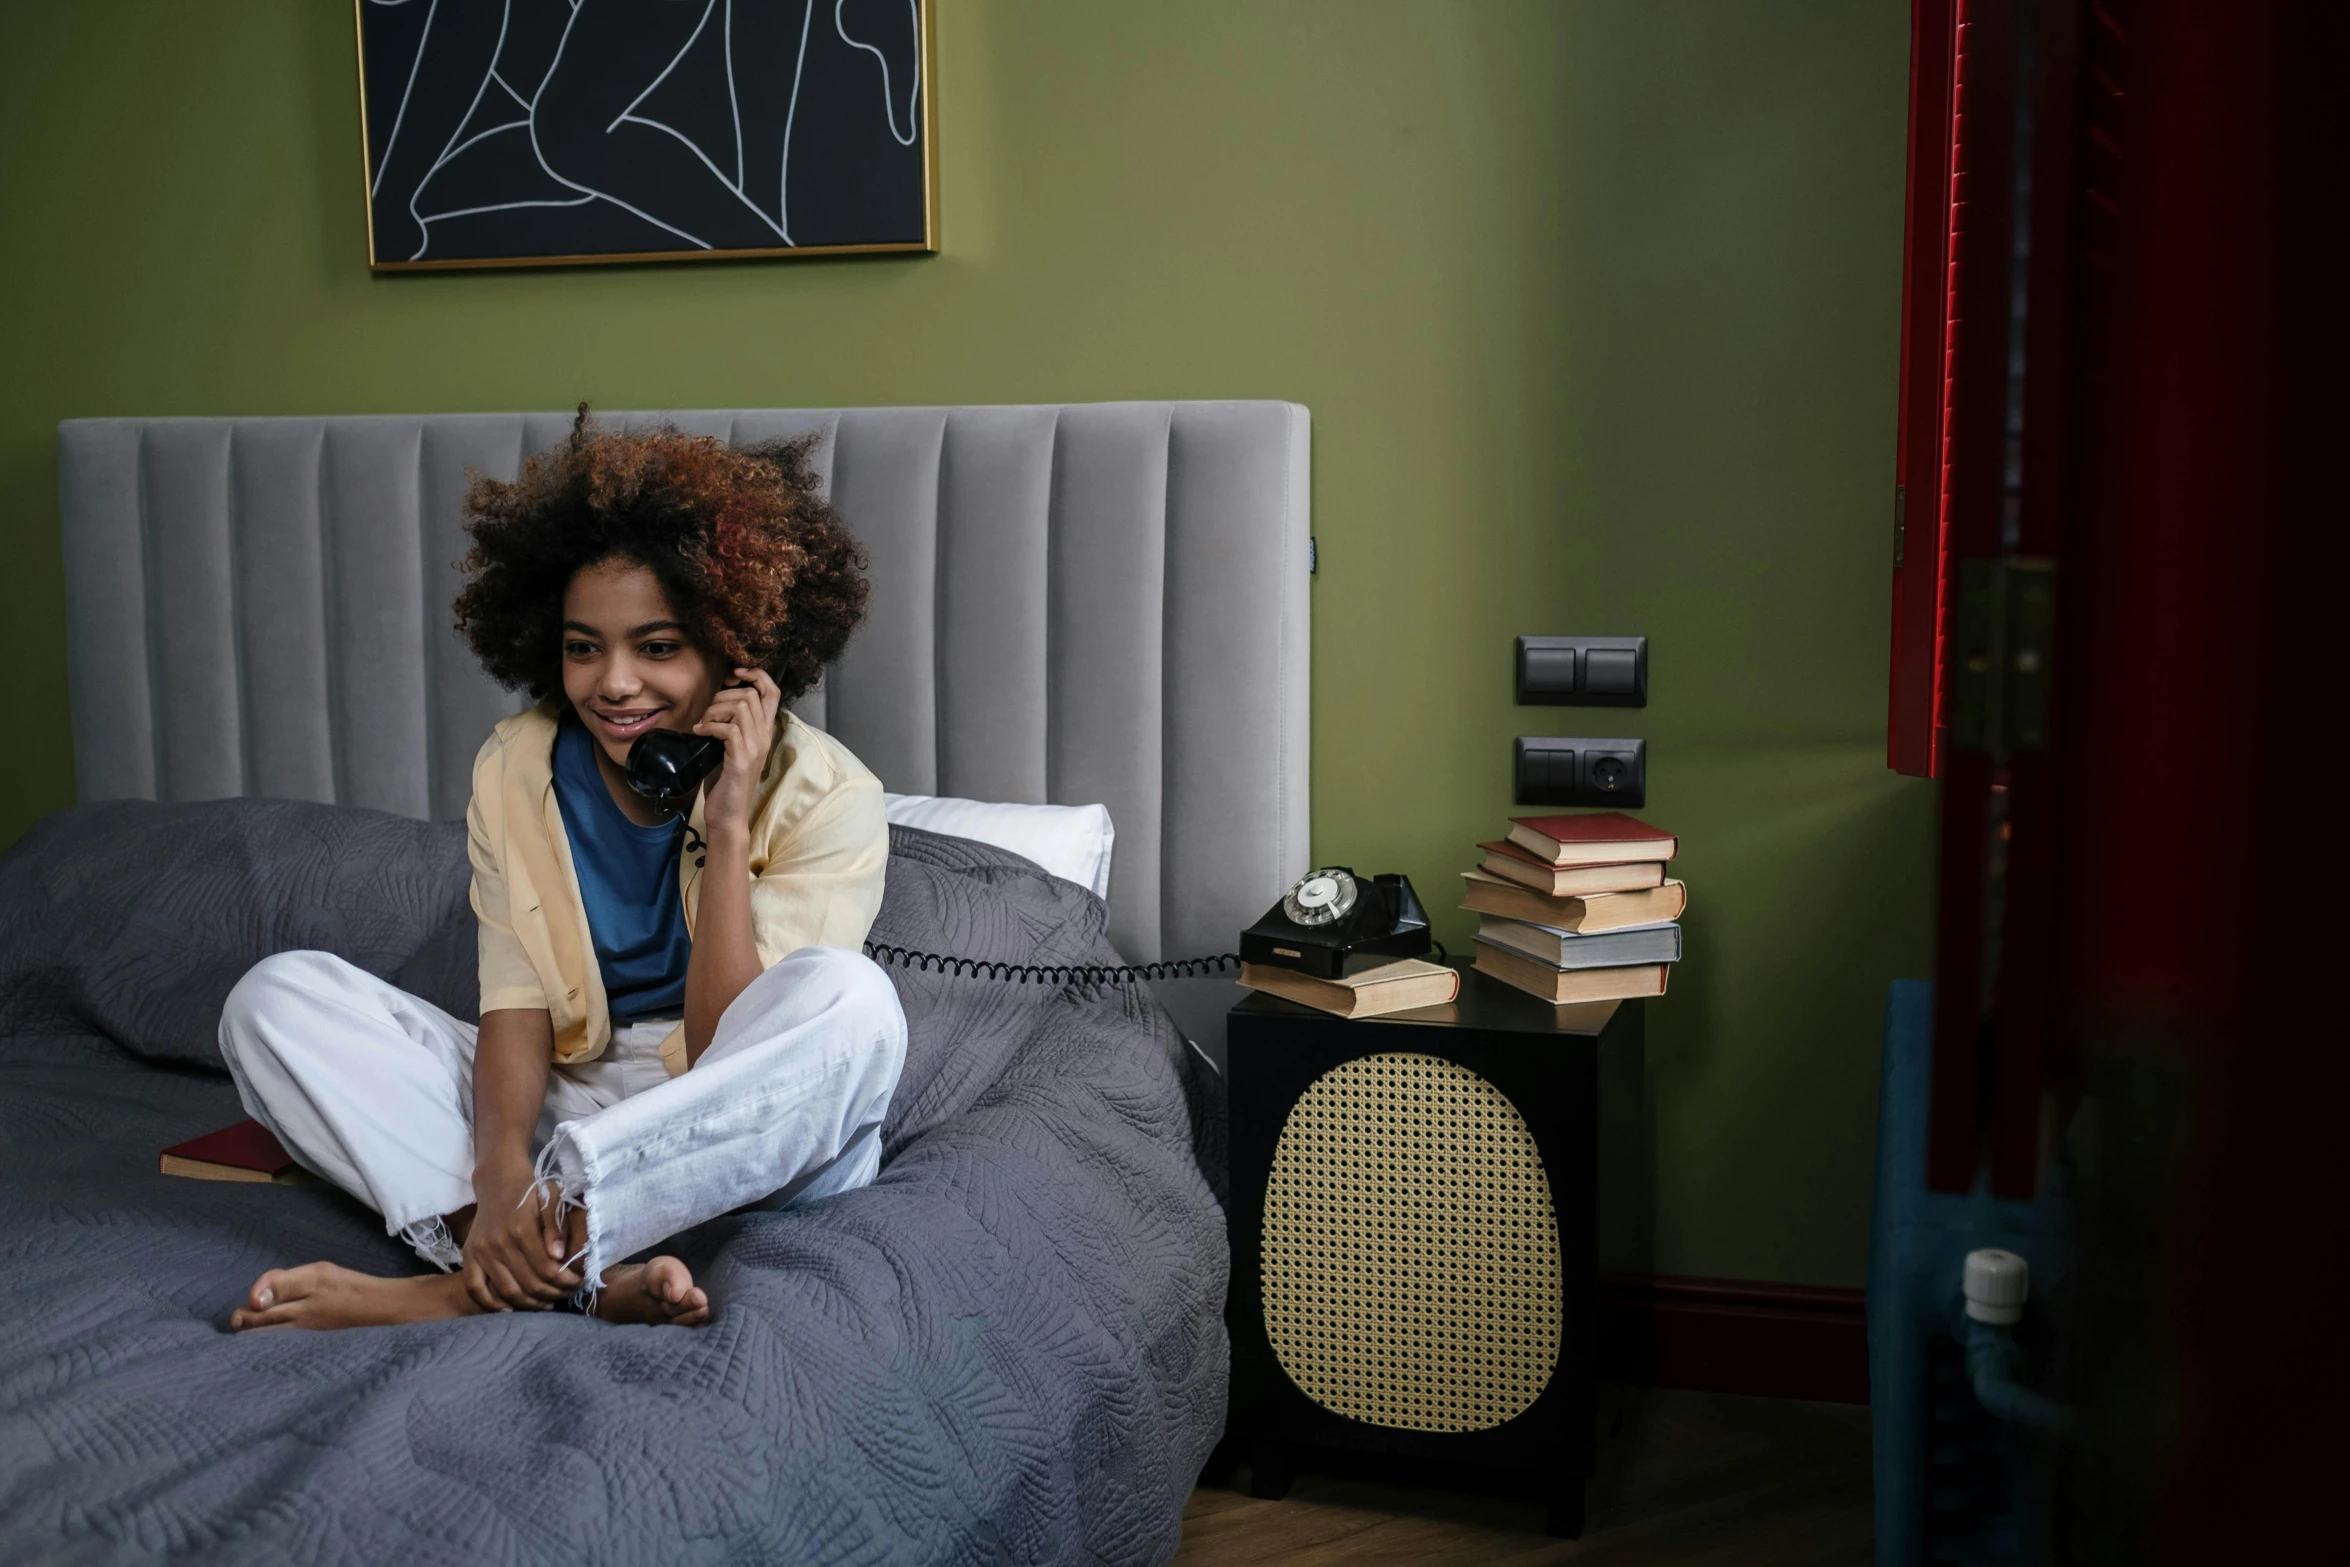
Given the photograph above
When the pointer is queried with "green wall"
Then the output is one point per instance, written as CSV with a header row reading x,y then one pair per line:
x,y
1594,305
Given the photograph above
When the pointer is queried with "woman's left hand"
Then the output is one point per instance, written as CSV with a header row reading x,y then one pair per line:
x,y
744,717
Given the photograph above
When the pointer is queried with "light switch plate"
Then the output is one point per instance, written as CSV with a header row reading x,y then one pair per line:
x,y
1582,672
1558,770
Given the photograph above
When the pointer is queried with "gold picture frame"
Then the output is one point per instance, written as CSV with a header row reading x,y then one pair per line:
x,y
922,115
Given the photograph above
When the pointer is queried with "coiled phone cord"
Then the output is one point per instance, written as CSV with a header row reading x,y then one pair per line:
x,y
1025,973
1048,973
1058,973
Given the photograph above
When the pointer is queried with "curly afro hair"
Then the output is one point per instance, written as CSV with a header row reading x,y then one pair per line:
x,y
753,560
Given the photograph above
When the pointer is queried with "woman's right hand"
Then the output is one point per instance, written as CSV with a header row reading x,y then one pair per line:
x,y
514,1252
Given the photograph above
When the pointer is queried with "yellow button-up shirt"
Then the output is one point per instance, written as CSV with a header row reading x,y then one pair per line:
x,y
819,846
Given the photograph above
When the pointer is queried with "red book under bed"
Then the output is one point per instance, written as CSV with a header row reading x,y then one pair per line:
x,y
244,1152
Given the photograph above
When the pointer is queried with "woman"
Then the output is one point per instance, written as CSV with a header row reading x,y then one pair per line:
x,y
675,1018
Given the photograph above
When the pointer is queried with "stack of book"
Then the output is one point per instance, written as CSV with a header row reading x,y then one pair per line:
x,y
1578,908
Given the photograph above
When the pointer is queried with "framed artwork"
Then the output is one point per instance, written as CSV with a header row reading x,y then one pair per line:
x,y
505,133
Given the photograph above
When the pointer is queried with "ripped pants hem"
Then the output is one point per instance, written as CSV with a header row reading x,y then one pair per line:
x,y
432,1241
559,1164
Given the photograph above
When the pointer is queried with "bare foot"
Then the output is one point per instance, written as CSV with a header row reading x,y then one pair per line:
x,y
323,1295
653,1292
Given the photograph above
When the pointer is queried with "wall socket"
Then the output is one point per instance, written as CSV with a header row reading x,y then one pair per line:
x,y
1558,771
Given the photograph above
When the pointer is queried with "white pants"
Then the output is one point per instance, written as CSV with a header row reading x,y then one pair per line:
x,y
372,1089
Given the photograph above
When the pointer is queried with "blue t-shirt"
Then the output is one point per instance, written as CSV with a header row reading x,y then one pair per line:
x,y
628,880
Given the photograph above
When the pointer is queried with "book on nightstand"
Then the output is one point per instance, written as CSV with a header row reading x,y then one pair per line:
x,y
1391,987
1561,986
244,1152
1594,838
1566,949
1507,861
1585,914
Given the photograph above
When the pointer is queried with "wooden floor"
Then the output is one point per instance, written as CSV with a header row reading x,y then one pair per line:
x,y
1685,1478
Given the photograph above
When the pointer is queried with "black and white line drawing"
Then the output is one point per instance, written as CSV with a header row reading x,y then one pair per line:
x,y
503,131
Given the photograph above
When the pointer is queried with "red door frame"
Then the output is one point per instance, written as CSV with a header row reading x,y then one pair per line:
x,y
1952,468
2176,860
1919,565
2003,308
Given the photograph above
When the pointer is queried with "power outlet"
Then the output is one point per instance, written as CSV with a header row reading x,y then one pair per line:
x,y
1553,770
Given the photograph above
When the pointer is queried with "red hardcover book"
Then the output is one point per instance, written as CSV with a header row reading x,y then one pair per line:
x,y
1601,838
244,1152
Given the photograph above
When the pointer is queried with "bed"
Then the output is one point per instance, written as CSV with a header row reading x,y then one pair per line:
x,y
1008,1348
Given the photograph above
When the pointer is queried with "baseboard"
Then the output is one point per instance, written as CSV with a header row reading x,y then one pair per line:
x,y
1735,1336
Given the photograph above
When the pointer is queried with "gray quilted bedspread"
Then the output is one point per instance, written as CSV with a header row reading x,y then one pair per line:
x,y
1009,1348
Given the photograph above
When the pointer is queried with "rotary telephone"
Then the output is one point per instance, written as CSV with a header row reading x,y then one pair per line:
x,y
1329,924
1334,922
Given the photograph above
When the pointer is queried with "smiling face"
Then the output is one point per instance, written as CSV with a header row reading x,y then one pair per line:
x,y
628,665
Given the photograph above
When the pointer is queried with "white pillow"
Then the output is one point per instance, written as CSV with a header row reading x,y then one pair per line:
x,y
1071,841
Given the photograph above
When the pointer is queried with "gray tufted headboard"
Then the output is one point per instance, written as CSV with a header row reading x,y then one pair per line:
x,y
1098,602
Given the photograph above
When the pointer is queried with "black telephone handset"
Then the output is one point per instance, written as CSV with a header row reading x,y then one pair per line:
x,y
666,766
1333,922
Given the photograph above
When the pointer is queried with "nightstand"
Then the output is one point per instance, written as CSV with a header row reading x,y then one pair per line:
x,y
1415,1234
